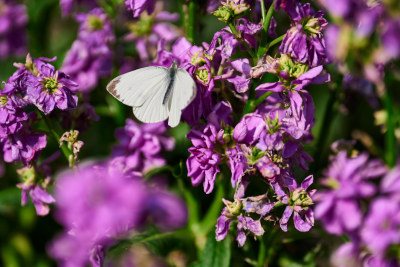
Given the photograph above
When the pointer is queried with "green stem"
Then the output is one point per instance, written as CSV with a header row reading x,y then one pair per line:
x,y
325,127
266,22
191,21
390,138
64,148
208,221
191,203
275,41
239,38
250,100
252,104
262,251
259,100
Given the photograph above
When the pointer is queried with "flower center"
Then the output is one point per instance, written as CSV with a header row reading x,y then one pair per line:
x,y
300,197
95,23
3,100
312,26
51,84
202,75
143,26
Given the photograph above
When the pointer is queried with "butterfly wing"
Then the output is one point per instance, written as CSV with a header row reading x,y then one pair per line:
x,y
183,92
153,110
136,87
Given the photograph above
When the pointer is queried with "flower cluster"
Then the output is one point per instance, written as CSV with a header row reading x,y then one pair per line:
x,y
97,205
13,25
277,119
90,56
35,83
141,146
372,231
356,23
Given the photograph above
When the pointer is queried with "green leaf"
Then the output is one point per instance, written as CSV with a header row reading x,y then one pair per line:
x,y
215,254
10,199
156,242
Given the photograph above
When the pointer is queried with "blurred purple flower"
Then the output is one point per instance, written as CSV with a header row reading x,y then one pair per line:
x,y
149,30
141,145
347,255
90,57
390,184
338,208
39,196
391,38
138,6
67,5
97,204
13,26
381,226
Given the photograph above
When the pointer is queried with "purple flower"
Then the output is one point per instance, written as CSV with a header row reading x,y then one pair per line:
x,y
39,196
338,208
149,30
239,211
390,38
347,255
90,57
381,226
249,129
141,145
138,6
23,146
202,163
298,202
11,115
390,183
52,89
13,25
304,40
67,5
241,82
97,204
238,162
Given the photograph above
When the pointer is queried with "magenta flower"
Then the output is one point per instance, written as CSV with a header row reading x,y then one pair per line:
x,y
202,163
67,5
249,129
90,57
239,211
139,6
141,146
23,146
52,89
298,202
304,40
13,26
97,204
338,208
381,226
40,198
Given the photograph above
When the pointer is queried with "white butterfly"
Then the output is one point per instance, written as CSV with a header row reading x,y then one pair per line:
x,y
155,92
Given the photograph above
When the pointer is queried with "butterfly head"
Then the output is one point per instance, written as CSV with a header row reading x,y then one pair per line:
x,y
174,65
